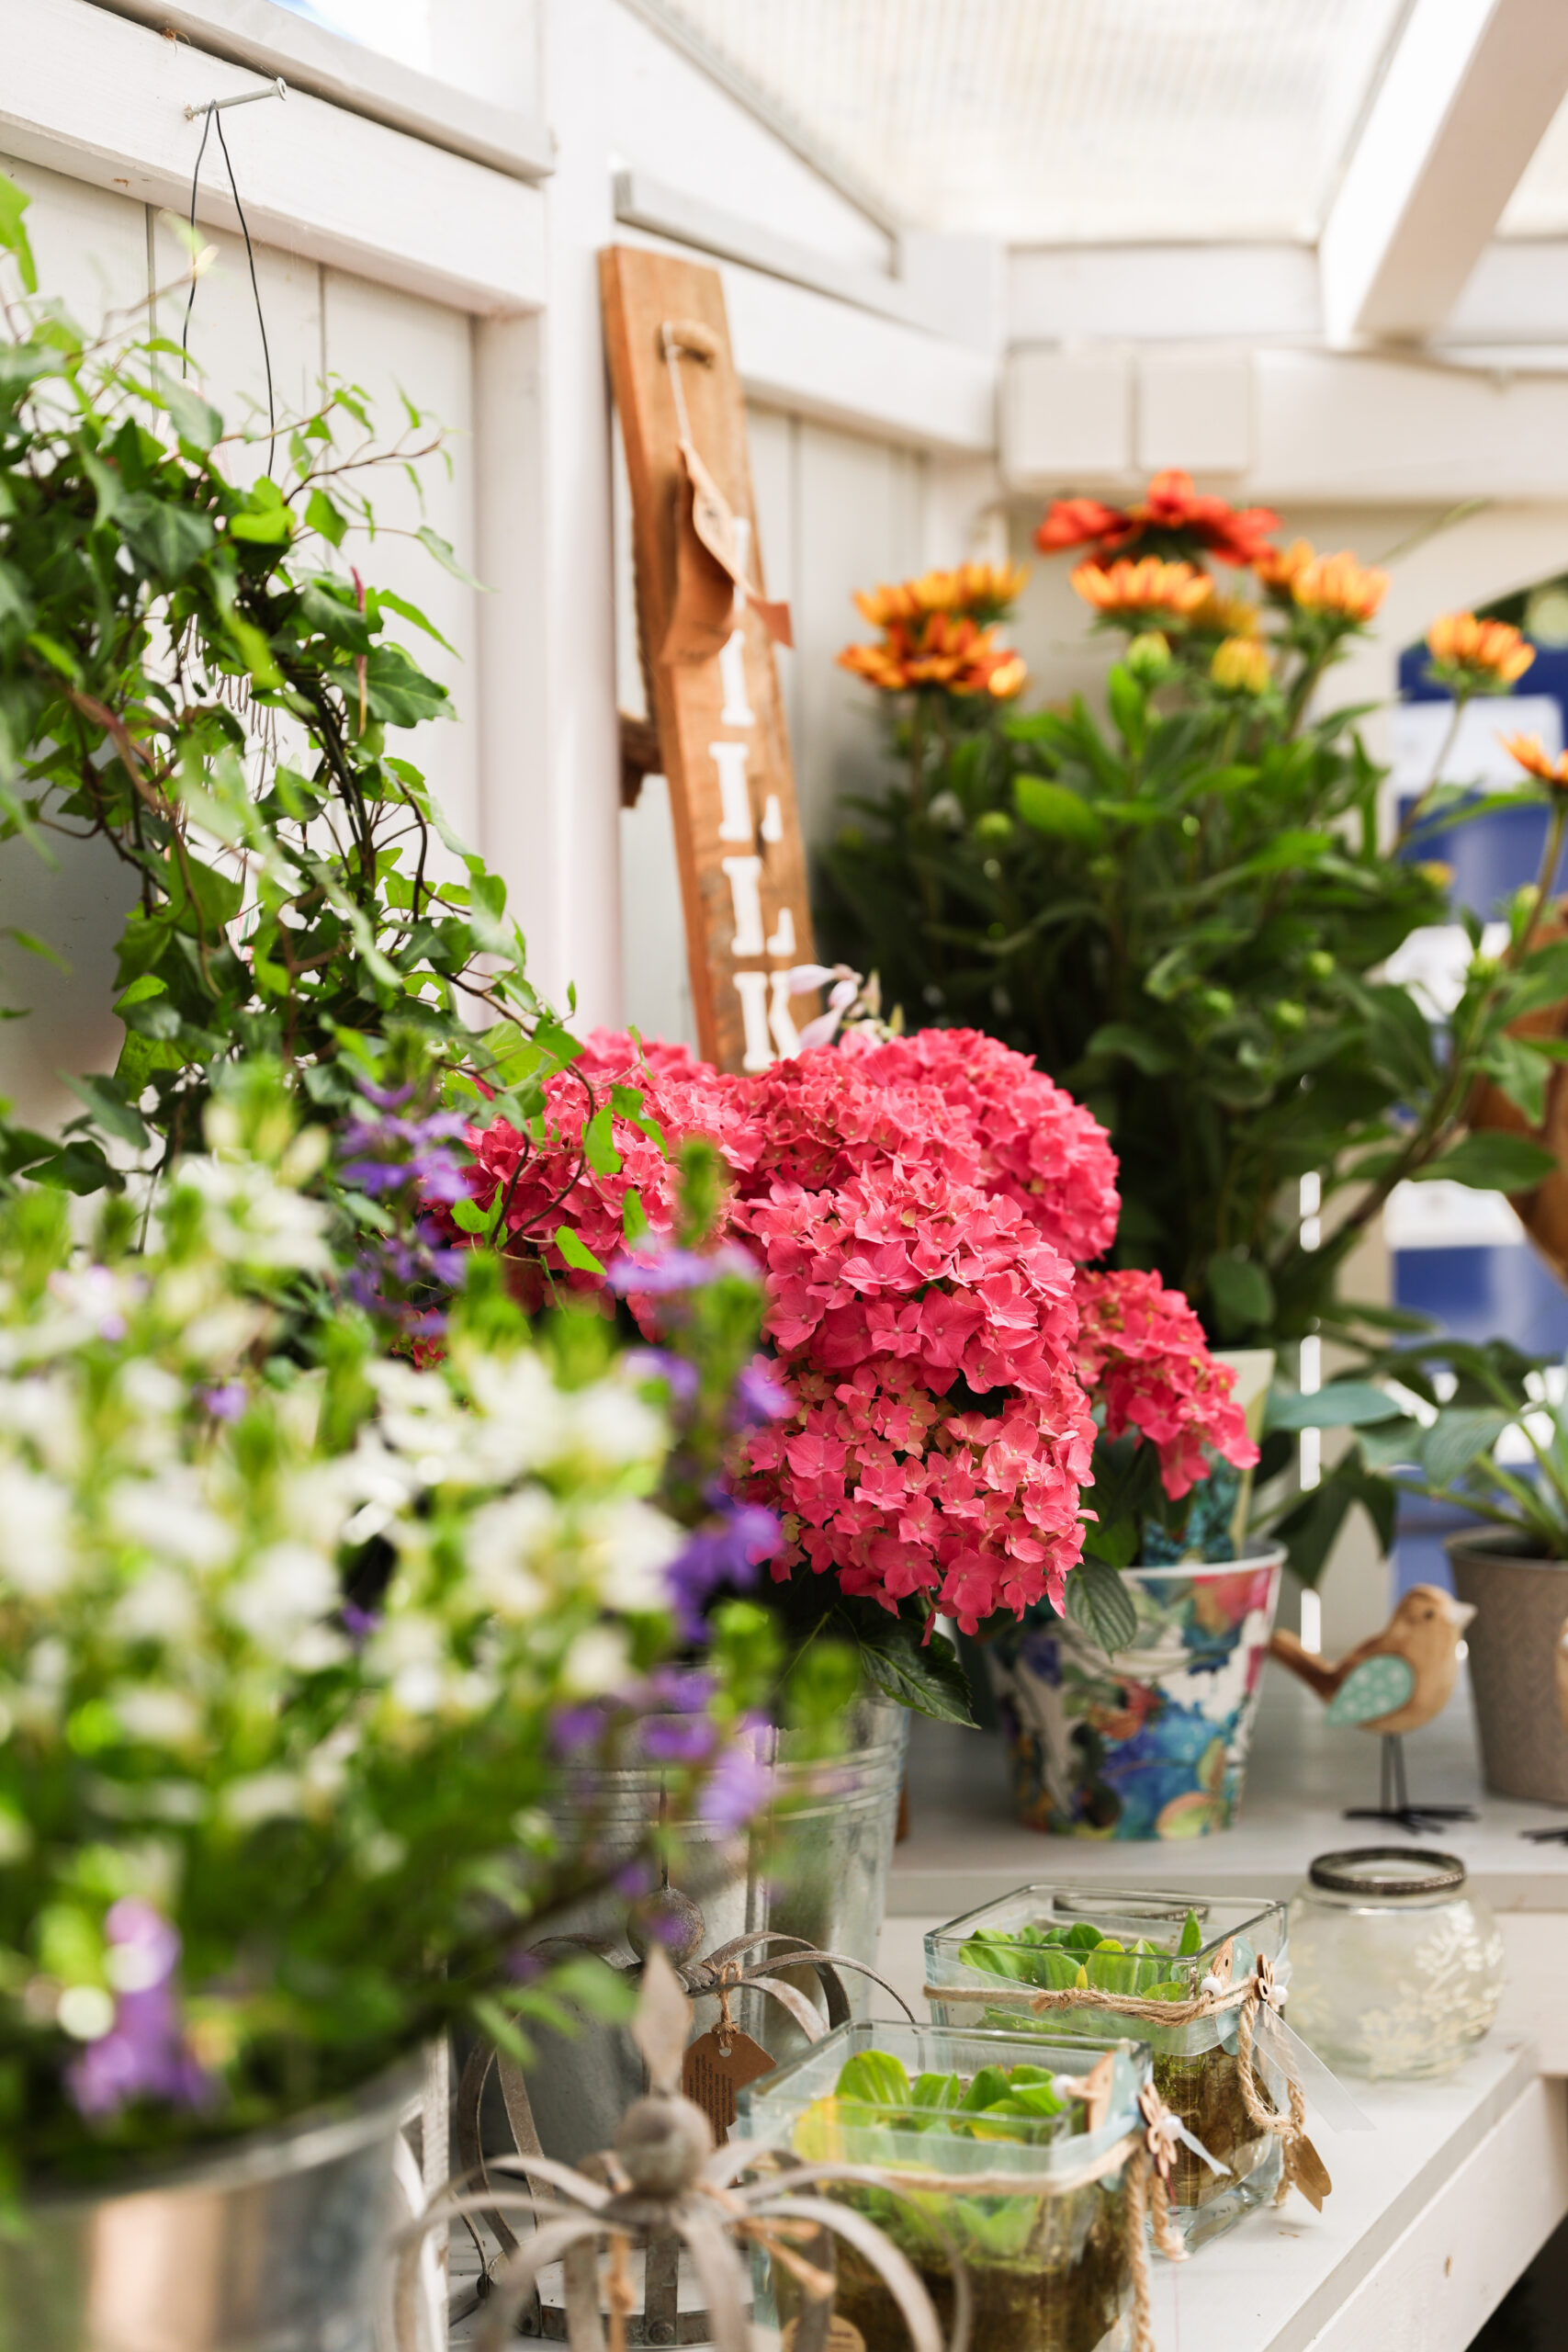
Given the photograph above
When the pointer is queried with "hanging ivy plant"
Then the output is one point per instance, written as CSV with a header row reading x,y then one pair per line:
x,y
192,672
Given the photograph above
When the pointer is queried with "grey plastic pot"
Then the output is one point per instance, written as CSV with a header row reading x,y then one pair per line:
x,y
1521,1603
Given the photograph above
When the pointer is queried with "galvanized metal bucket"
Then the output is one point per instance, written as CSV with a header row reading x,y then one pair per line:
x,y
272,2243
815,1865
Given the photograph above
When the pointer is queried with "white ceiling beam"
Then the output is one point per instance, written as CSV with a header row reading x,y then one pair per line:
x,y
1355,428
1465,101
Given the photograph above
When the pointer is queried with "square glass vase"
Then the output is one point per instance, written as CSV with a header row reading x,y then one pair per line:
x,y
1039,2219
1196,2069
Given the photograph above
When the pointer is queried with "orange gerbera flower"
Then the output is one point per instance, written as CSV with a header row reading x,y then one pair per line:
x,y
1142,593
1171,511
983,591
1536,759
1278,568
1339,584
939,649
1477,656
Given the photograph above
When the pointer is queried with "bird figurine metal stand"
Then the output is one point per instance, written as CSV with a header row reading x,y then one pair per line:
x,y
1397,1681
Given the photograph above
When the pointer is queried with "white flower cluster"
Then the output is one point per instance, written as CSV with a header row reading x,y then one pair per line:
x,y
173,1532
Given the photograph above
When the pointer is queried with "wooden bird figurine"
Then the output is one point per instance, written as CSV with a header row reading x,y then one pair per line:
x,y
1394,1683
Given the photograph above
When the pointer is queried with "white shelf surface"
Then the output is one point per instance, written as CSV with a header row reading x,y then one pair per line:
x,y
967,1847
1435,2211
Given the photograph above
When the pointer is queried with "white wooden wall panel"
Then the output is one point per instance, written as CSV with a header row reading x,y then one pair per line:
x,y
774,439
859,507
390,343
92,255
90,244
225,342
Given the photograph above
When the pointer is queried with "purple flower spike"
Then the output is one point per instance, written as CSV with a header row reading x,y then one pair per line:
x,y
737,1790
727,1553
658,1273
225,1403
575,1728
678,1739
761,1395
681,1378
144,2054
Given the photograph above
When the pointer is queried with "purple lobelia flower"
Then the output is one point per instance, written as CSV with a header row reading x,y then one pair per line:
x,y
682,1379
728,1551
664,1273
740,1783
761,1395
144,2054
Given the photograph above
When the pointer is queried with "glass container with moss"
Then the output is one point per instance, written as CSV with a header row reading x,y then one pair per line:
x,y
988,2148
1155,1947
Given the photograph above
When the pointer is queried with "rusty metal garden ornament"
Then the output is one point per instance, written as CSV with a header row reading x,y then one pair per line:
x,y
663,2179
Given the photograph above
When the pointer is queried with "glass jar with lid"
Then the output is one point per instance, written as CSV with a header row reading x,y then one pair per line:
x,y
1396,1967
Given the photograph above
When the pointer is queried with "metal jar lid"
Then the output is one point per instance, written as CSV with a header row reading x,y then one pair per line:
x,y
1386,1874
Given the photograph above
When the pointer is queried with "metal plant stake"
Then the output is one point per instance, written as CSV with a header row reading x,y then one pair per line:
x,y
664,2183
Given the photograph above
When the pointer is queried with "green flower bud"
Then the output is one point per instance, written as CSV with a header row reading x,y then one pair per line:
x,y
994,825
1289,1016
1148,657
1320,964
1219,1001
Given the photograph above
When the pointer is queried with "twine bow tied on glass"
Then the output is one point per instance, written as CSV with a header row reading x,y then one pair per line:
x,y
1256,2001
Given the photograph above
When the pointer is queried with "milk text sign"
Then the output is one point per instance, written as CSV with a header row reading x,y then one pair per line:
x,y
708,653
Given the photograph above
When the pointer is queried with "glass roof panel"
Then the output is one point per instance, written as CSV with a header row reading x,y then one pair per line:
x,y
1044,121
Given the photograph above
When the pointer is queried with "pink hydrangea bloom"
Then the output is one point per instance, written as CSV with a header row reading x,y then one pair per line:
x,y
1142,1350
918,1207
1033,1142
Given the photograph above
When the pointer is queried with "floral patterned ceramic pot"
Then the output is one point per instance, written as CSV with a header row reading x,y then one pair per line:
x,y
1151,1742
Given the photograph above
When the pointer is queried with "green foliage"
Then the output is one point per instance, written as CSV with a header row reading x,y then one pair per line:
x,y
190,672
1183,915
1483,1429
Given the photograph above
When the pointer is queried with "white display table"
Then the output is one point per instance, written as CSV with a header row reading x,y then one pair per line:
x,y
1434,2213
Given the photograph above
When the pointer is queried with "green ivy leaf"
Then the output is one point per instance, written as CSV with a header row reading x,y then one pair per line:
x,y
576,1251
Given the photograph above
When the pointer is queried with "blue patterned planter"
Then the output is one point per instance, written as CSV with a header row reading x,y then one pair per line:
x,y
1152,1741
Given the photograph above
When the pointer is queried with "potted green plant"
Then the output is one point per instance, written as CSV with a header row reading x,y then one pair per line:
x,y
967,1418
1182,911
1482,1431
1019,2154
1151,1950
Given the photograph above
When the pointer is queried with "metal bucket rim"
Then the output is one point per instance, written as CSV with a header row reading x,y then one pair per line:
x,y
302,2143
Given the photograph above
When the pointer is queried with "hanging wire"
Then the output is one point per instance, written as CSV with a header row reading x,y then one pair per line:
x,y
213,116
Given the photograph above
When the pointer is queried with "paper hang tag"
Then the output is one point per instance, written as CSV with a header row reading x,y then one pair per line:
x,y
1221,1968
1310,2173
710,583
1093,2088
1283,2047
718,2064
